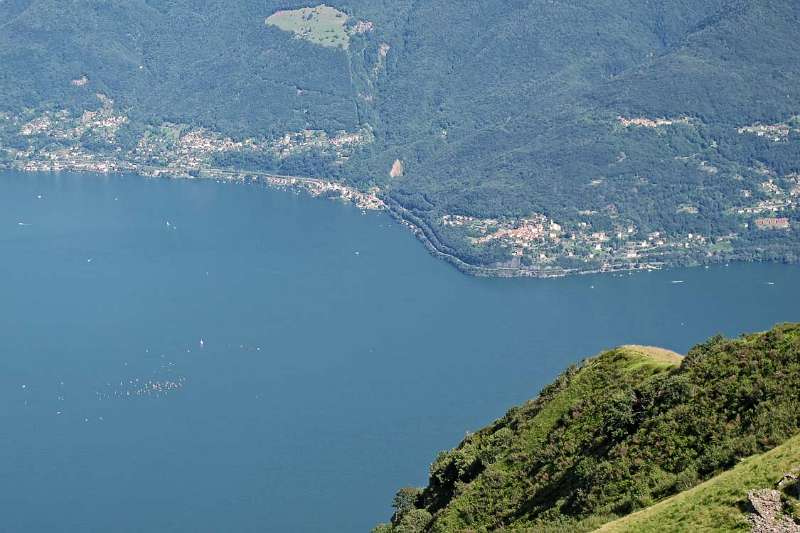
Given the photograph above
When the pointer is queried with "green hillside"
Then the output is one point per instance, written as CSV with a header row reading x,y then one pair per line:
x,y
534,137
717,503
619,433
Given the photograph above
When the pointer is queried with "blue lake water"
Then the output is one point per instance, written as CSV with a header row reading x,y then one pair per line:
x,y
337,356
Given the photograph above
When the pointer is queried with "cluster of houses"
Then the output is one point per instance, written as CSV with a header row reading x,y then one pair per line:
x,y
773,223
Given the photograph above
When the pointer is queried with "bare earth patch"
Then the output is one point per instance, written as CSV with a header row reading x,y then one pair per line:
x,y
398,169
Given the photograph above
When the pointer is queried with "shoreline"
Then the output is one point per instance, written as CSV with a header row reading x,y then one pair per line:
x,y
373,200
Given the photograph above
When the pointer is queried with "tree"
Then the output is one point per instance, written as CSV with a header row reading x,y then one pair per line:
x,y
404,501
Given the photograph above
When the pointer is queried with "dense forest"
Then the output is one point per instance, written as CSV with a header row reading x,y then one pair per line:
x,y
615,434
606,118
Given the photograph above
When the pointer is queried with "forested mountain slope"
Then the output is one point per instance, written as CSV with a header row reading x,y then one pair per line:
x,y
524,137
620,432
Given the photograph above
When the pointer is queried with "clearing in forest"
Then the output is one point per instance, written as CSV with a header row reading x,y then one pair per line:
x,y
323,25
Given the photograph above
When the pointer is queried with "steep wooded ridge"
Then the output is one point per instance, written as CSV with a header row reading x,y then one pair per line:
x,y
621,431
524,137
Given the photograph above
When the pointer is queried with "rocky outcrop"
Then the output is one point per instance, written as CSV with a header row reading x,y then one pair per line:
x,y
768,514
790,483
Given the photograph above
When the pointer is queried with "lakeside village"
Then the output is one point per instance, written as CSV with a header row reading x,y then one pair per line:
x,y
536,245
540,244
173,151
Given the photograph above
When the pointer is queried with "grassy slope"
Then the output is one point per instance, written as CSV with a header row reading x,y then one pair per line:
x,y
655,356
715,504
630,360
629,363
624,430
